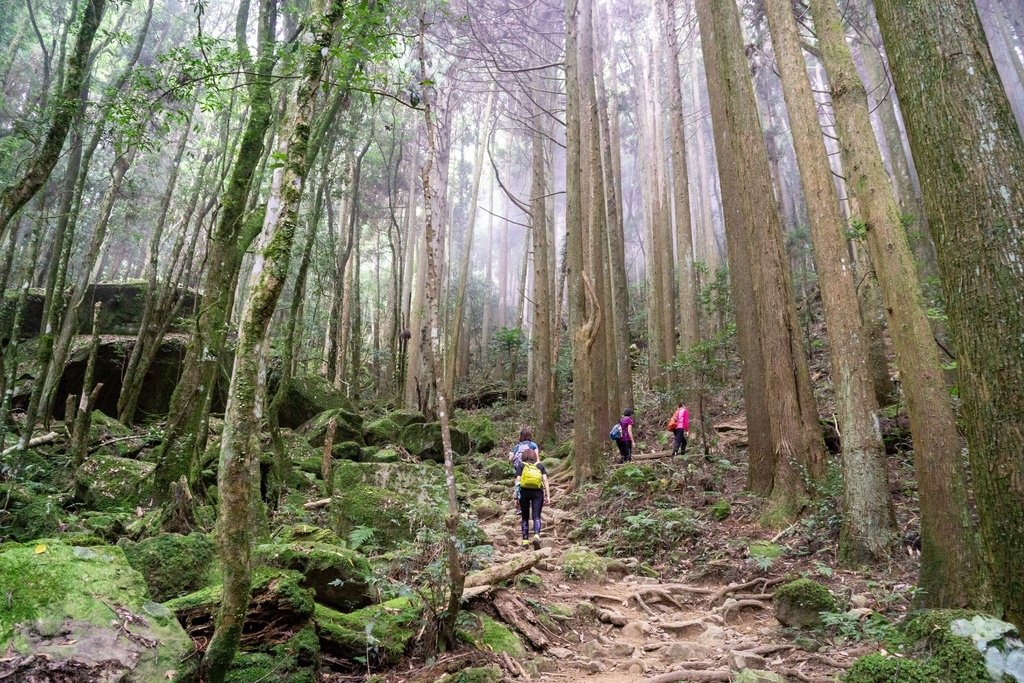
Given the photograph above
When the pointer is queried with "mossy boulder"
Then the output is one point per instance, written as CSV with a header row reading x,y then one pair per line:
x,y
110,483
382,432
485,508
172,564
582,564
800,603
404,418
347,427
394,500
424,441
483,436
495,636
112,436
348,450
110,526
720,510
307,533
498,469
381,631
879,668
308,396
85,608
29,515
384,455
340,578
294,661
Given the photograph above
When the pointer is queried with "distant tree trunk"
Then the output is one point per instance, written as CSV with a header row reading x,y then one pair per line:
x,y
869,521
82,418
794,435
543,298
949,554
687,297
178,450
607,98
70,102
239,443
964,137
458,338
582,317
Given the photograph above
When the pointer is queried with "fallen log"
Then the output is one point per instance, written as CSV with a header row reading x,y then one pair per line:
x,y
518,614
38,441
503,572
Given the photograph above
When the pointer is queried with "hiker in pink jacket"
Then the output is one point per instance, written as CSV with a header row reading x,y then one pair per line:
x,y
680,426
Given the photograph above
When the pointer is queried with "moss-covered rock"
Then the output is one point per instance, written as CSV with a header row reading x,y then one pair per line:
x,y
720,510
424,441
112,437
110,526
483,436
308,396
87,607
348,450
172,564
497,469
339,577
497,637
381,631
954,657
403,418
582,564
485,508
384,455
382,432
879,668
307,533
110,483
29,515
347,427
799,603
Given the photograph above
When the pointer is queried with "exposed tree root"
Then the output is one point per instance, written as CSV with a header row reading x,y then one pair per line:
x,y
725,610
692,675
735,587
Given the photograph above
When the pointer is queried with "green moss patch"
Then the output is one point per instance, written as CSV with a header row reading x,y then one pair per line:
x,y
75,604
497,637
383,631
172,564
340,578
347,427
424,441
382,432
799,603
309,396
582,564
483,436
110,483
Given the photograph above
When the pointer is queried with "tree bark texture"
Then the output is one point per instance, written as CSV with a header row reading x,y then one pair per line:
x,y
949,553
964,136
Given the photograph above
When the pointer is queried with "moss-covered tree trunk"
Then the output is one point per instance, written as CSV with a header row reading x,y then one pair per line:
x,y
949,552
69,103
240,440
433,204
869,523
970,157
794,435
177,451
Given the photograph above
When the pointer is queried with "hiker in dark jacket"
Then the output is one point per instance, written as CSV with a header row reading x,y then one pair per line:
x,y
625,440
532,492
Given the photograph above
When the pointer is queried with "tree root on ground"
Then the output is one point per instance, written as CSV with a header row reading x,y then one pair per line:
x,y
693,675
735,587
738,605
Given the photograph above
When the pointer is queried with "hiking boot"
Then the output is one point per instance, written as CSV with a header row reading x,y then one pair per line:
x,y
525,543
536,542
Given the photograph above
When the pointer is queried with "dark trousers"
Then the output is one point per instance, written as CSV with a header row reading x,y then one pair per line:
x,y
531,501
680,444
625,450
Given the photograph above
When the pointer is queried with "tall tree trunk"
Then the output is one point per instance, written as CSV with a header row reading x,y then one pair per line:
x,y
582,318
70,102
869,522
964,136
949,574
240,440
794,435
687,297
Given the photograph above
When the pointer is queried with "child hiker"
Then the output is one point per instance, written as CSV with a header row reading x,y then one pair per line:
x,y
679,425
532,491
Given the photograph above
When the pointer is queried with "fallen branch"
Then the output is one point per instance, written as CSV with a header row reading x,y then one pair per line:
x,y
316,504
516,613
38,441
503,572
693,676
652,456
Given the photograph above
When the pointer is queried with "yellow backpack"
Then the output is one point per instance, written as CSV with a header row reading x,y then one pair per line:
x,y
531,478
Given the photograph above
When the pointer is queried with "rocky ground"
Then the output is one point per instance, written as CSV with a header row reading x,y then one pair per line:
x,y
661,572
